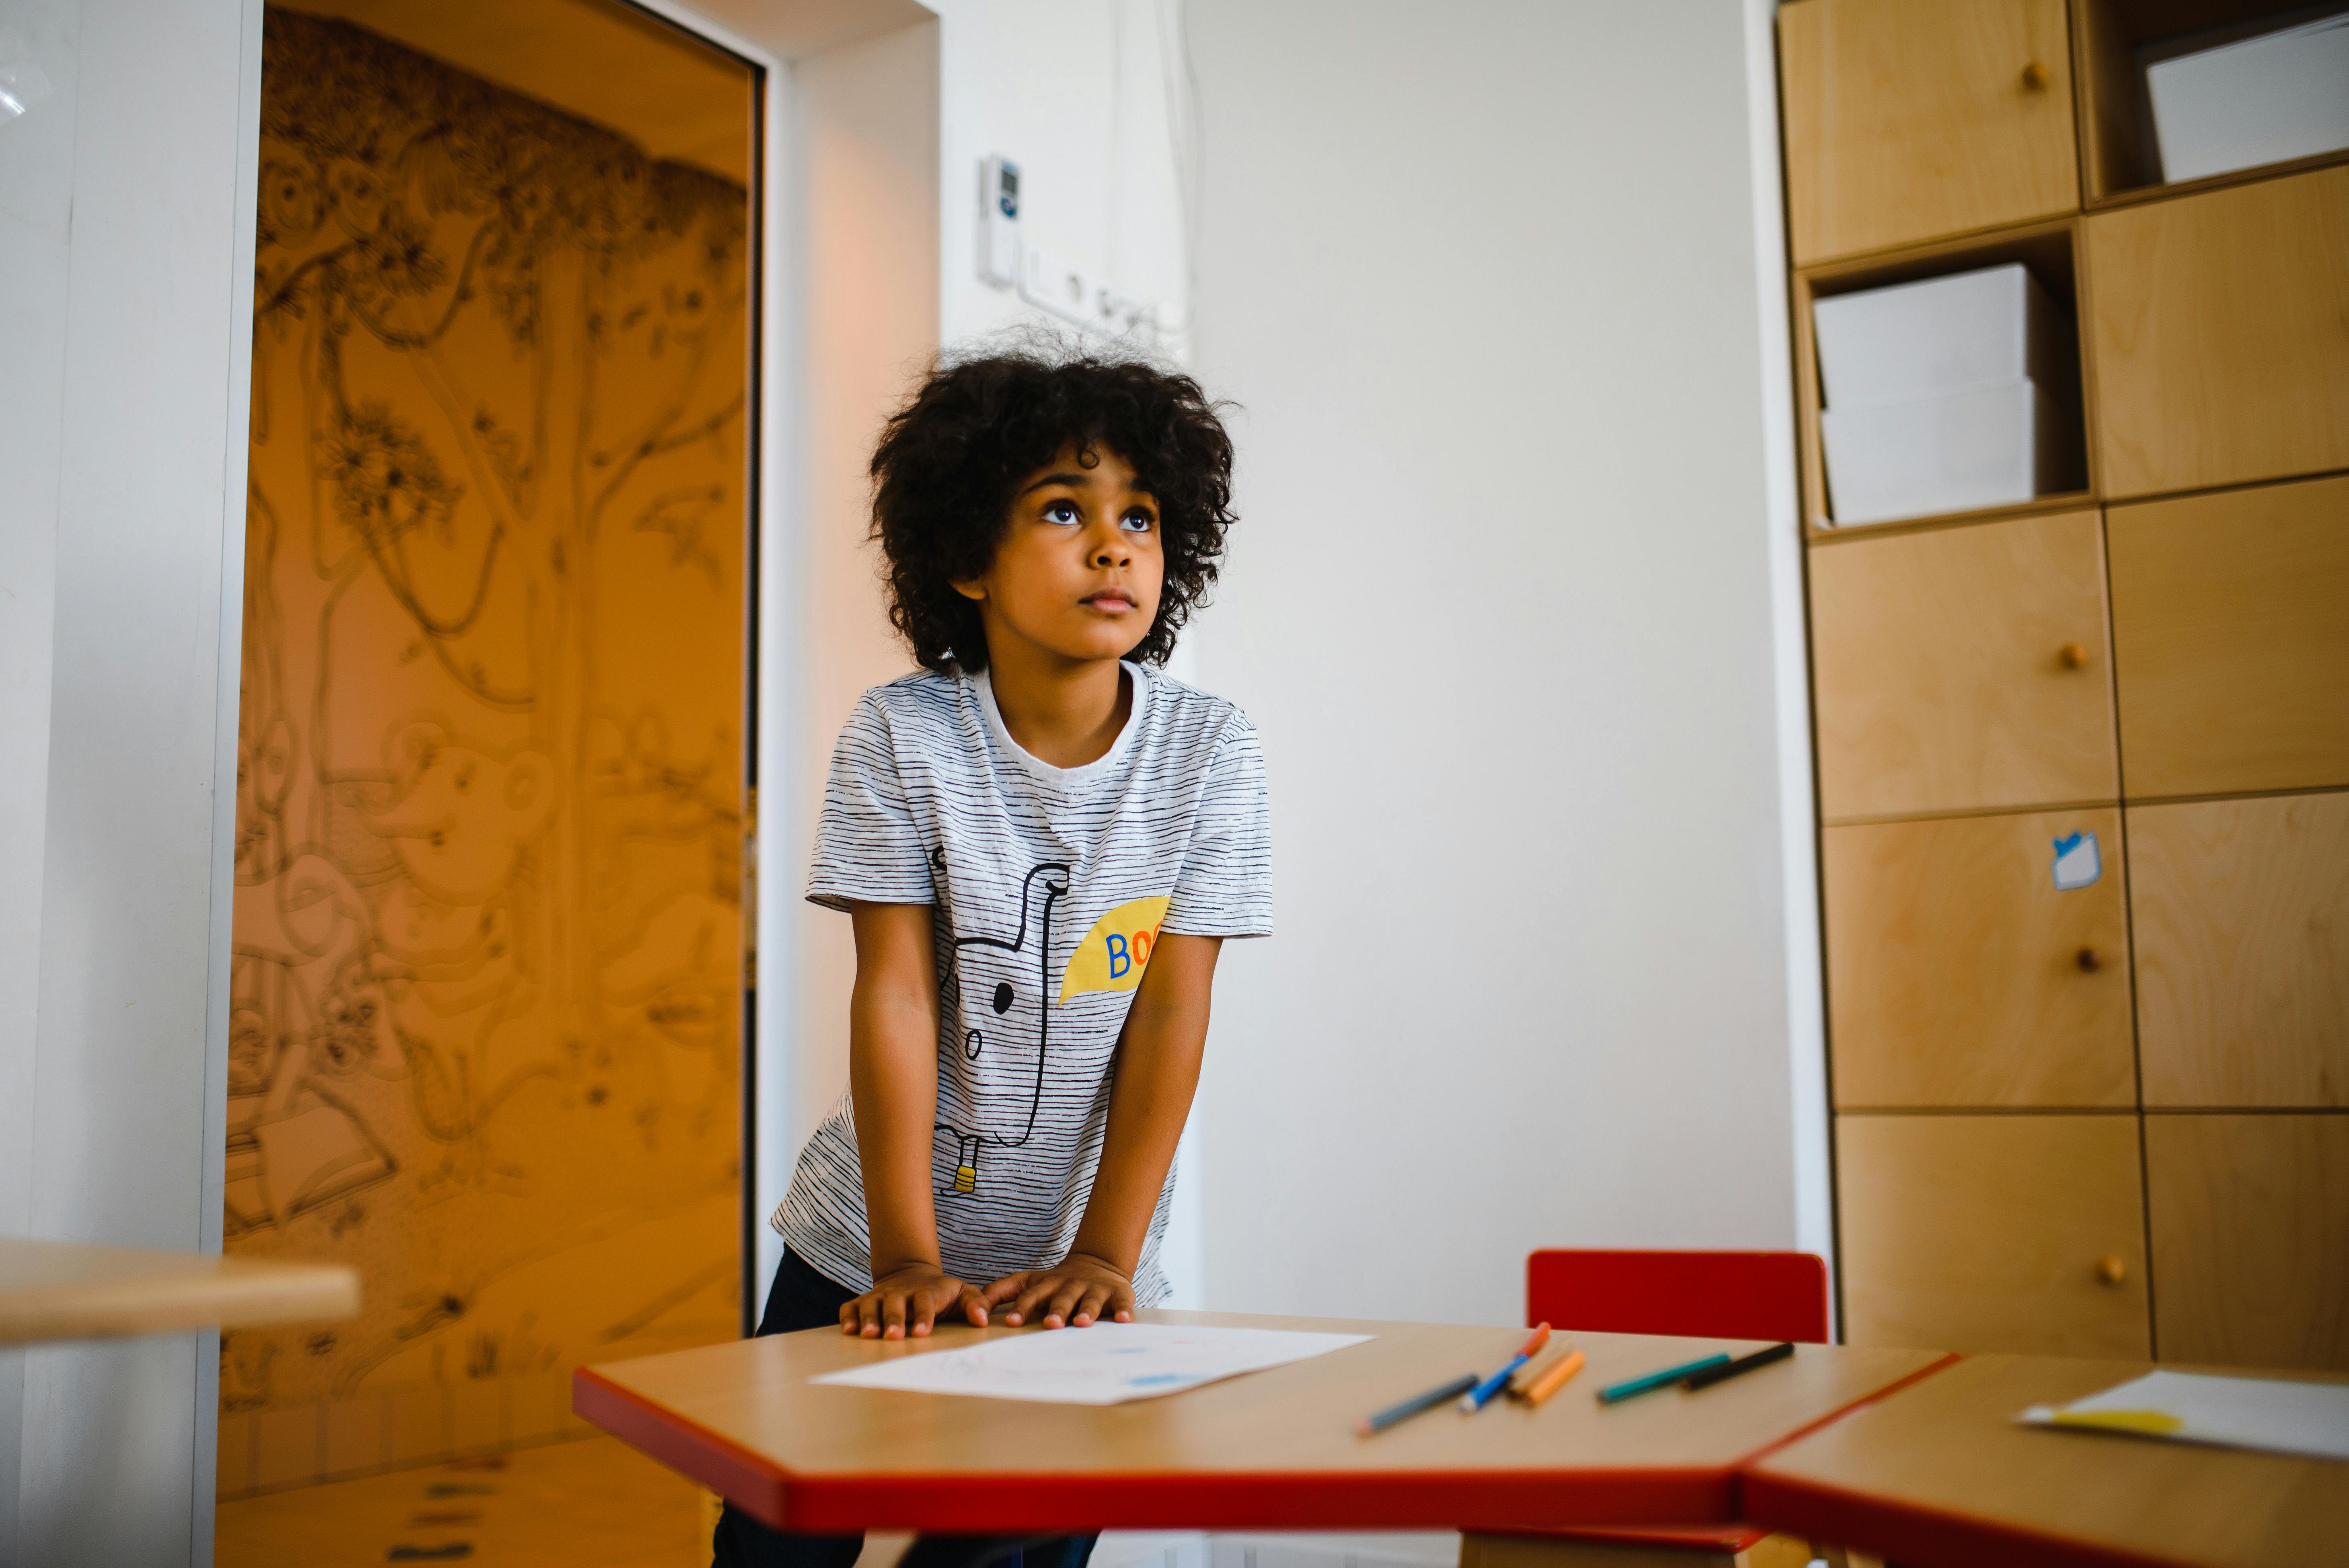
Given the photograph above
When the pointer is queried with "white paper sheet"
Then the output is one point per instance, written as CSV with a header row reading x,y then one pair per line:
x,y
1106,1364
2274,1414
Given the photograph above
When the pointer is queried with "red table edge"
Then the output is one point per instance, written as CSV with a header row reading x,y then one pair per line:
x,y
1948,1360
1921,1535
1510,1500
1742,1530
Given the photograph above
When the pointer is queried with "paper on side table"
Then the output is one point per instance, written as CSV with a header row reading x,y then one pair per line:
x,y
1106,1364
2271,1413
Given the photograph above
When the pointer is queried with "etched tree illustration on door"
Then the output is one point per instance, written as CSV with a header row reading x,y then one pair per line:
x,y
488,931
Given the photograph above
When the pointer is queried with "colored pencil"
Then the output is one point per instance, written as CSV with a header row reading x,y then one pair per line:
x,y
1553,1378
1372,1426
1614,1392
1476,1399
1533,1371
1722,1373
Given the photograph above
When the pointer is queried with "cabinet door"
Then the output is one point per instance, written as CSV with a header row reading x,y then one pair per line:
x,y
1962,669
2242,913
1910,119
2219,325
1993,1232
2231,639
1960,974
2251,1239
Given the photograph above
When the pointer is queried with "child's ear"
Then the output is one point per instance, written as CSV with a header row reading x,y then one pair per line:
x,y
974,589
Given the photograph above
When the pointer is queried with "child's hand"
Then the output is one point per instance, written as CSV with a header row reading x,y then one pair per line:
x,y
910,1298
1080,1289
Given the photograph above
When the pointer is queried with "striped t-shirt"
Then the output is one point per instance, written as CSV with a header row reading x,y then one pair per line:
x,y
1049,885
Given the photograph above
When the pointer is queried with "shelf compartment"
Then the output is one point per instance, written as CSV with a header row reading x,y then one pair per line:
x,y
2050,252
2114,40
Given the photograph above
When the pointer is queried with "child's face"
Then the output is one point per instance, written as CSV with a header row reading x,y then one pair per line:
x,y
1079,569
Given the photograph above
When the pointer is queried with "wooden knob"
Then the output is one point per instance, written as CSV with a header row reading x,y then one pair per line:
x,y
2072,656
2088,961
2111,1270
2034,77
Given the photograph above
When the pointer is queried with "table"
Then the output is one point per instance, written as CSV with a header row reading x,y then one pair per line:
x,y
1939,1476
1273,1450
65,1290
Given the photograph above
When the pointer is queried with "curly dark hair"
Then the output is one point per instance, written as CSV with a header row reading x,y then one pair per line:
x,y
944,473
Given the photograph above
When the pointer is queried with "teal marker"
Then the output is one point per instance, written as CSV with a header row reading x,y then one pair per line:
x,y
1615,1392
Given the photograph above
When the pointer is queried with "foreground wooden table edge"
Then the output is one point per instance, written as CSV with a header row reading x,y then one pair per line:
x,y
56,1291
1493,1501
1919,1534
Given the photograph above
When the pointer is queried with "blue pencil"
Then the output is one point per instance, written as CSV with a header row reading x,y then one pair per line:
x,y
1630,1385
1476,1399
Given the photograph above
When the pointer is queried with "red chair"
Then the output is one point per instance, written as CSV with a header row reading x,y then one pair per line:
x,y
1713,1295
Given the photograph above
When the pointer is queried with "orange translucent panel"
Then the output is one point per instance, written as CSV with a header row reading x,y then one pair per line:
x,y
488,978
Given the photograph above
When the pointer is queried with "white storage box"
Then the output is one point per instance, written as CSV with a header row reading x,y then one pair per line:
x,y
1991,447
1991,327
2280,96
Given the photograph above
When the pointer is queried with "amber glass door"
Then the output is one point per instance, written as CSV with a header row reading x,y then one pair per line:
x,y
489,981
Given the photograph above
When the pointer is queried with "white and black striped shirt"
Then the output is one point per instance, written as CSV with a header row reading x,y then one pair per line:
x,y
1050,884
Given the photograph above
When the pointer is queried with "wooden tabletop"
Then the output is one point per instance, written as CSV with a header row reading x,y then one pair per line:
x,y
64,1290
1939,1476
1273,1450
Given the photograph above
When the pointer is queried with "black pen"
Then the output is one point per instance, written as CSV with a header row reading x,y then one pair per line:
x,y
1728,1370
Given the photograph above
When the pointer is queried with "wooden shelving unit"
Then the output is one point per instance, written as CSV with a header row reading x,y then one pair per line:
x,y
2111,1118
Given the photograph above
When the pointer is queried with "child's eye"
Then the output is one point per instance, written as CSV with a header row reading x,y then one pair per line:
x,y
1062,512
1138,523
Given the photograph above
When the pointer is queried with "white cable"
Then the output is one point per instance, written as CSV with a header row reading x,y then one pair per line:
x,y
1184,144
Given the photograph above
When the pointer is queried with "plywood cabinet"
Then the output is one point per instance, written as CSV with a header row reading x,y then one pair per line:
x,y
2219,325
2159,658
1910,119
1993,1232
2230,635
2249,1217
2242,913
1962,669
1960,974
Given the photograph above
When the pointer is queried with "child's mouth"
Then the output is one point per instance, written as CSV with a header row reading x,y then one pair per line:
x,y
1114,602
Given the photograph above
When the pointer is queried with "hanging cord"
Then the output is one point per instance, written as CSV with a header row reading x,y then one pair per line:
x,y
1185,143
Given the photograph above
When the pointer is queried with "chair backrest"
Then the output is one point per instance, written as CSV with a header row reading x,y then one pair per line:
x,y
1717,1295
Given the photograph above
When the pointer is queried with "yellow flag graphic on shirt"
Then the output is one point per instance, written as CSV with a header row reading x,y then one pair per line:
x,y
1116,951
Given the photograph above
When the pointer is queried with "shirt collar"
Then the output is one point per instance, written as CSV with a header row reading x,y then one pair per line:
x,y
1061,780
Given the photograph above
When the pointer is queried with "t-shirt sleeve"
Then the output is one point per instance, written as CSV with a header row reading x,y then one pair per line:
x,y
868,847
1224,888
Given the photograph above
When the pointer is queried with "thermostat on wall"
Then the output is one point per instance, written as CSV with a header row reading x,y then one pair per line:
x,y
998,222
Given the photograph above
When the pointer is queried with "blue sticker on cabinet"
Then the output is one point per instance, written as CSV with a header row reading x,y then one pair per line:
x,y
2077,865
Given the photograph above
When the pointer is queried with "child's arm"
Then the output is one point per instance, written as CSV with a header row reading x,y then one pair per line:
x,y
1158,1057
893,1075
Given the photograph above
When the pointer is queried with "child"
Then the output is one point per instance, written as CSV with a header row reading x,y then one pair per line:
x,y
1041,842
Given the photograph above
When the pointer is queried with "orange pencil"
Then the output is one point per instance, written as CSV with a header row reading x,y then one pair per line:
x,y
1554,1379
1540,1367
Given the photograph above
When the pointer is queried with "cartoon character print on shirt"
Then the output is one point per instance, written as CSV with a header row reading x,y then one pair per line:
x,y
1009,977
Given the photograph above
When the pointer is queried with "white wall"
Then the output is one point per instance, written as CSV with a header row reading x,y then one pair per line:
x,y
1507,607
864,226
125,264
1073,92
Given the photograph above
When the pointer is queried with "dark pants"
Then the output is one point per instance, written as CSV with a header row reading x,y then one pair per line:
x,y
802,1298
